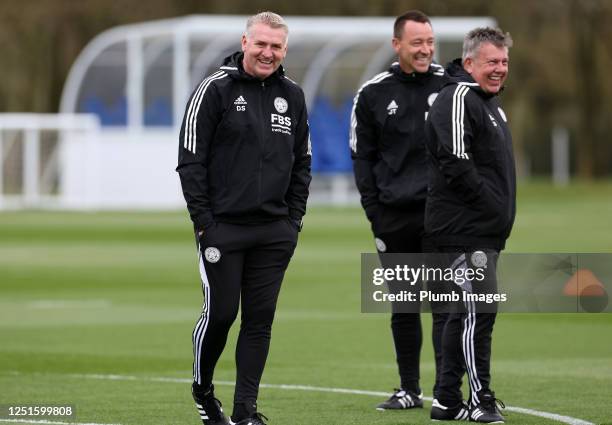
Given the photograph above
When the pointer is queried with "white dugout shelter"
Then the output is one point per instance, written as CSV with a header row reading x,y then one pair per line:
x,y
114,143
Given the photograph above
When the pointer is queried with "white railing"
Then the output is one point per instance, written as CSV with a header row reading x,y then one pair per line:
x,y
38,166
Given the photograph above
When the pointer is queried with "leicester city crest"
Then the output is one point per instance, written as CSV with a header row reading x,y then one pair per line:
x,y
212,254
281,105
479,259
380,245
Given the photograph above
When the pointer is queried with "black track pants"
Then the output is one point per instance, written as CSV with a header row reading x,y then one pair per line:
x,y
466,338
240,262
406,327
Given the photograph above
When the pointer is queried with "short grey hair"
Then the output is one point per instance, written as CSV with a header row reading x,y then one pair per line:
x,y
475,38
270,19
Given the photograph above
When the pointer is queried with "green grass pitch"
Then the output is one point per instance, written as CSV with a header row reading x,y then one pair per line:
x,y
87,295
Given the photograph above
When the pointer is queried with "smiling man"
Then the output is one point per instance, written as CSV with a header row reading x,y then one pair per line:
x,y
389,160
244,163
264,49
470,211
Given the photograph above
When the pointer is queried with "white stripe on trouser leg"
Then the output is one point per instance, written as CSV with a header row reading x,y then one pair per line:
x,y
196,331
204,319
460,263
469,324
478,385
202,325
198,328
469,353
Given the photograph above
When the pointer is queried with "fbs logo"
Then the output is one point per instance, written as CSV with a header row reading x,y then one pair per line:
x,y
392,107
280,124
240,103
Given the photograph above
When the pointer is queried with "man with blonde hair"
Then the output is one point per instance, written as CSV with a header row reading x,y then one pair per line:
x,y
244,164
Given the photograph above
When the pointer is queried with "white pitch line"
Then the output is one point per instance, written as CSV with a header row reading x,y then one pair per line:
x,y
552,416
46,422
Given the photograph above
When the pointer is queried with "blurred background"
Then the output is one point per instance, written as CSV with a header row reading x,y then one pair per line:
x,y
134,79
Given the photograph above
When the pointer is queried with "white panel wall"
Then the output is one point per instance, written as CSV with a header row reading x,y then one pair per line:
x,y
116,170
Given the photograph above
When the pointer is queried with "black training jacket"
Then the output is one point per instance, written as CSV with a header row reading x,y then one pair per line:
x,y
244,148
387,137
471,199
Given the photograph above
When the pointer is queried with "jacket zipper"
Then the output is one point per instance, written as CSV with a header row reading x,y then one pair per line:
x,y
262,143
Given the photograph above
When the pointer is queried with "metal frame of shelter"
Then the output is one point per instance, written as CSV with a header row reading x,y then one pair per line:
x,y
129,86
331,35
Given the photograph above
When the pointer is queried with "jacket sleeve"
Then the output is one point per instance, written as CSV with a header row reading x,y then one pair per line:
x,y
297,192
364,152
450,127
202,115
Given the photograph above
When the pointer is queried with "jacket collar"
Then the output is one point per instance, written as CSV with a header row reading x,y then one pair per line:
x,y
434,69
232,65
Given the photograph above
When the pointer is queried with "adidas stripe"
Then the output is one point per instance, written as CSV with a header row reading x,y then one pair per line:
x,y
457,121
376,79
191,117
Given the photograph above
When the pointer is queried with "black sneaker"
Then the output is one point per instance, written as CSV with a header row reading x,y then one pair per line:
x,y
208,406
487,411
458,412
255,419
401,399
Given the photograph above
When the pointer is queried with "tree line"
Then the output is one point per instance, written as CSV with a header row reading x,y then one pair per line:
x,y
558,65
